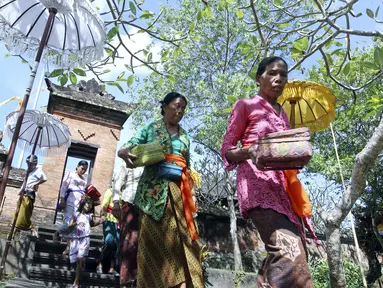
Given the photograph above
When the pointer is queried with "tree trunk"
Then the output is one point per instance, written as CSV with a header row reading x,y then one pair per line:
x,y
233,223
334,256
364,161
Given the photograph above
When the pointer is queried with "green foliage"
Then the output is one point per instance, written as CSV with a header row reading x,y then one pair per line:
x,y
79,72
64,75
4,281
238,279
56,73
112,32
356,117
210,67
320,274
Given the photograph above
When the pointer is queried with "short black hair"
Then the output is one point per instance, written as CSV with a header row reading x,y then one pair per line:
x,y
82,163
32,159
266,62
169,98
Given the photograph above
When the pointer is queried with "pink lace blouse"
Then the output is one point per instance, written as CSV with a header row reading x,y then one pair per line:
x,y
251,119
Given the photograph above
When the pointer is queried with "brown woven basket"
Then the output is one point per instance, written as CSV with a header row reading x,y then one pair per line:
x,y
284,150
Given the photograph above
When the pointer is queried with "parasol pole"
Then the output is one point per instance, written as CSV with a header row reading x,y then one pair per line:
x,y
21,157
10,234
351,217
292,113
8,162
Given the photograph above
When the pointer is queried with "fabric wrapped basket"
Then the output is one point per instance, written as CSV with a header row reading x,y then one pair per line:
x,y
148,154
284,150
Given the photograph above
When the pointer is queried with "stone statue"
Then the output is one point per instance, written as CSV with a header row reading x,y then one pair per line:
x,y
91,86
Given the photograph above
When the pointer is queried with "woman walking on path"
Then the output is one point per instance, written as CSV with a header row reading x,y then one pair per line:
x,y
71,192
262,195
168,252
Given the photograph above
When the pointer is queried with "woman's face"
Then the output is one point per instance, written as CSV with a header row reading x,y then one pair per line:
x,y
81,169
174,111
273,80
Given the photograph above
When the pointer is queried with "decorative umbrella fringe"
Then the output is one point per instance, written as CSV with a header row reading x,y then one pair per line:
x,y
45,151
59,141
85,6
16,42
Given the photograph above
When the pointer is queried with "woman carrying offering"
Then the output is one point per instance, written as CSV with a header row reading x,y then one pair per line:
x,y
168,253
262,195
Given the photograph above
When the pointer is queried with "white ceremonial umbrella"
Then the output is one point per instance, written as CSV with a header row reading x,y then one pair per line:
x,y
66,33
44,133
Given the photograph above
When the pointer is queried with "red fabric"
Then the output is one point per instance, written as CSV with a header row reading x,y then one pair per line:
x,y
92,192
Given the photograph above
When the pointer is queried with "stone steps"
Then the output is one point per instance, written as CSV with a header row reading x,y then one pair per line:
x,y
24,283
94,242
59,261
60,276
51,267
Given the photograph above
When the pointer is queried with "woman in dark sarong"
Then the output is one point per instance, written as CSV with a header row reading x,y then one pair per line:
x,y
168,252
262,195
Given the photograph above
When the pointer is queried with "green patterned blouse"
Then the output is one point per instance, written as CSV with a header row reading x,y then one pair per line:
x,y
151,193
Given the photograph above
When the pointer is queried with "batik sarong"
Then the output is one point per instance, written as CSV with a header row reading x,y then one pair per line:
x,y
167,256
285,265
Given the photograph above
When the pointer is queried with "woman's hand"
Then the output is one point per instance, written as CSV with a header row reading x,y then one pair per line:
x,y
124,154
237,155
253,155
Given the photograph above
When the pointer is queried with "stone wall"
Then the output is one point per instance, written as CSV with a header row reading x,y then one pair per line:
x,y
15,179
214,228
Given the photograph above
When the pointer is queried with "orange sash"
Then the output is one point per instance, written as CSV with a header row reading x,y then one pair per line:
x,y
298,196
186,192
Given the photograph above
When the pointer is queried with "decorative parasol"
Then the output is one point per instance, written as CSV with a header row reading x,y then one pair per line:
x,y
312,105
308,104
44,133
73,34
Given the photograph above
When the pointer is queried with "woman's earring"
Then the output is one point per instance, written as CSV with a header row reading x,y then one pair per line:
x,y
257,83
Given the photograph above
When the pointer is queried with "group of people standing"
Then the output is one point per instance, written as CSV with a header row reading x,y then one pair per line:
x,y
157,232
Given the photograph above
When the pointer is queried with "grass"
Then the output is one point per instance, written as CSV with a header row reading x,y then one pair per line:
x,y
5,279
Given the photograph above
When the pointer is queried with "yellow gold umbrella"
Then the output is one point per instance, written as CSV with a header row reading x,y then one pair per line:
x,y
308,104
312,105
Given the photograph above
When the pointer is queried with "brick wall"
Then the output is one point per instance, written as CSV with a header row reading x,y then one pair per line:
x,y
104,162
10,200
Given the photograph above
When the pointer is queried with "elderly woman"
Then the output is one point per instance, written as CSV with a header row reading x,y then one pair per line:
x,y
168,253
262,194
